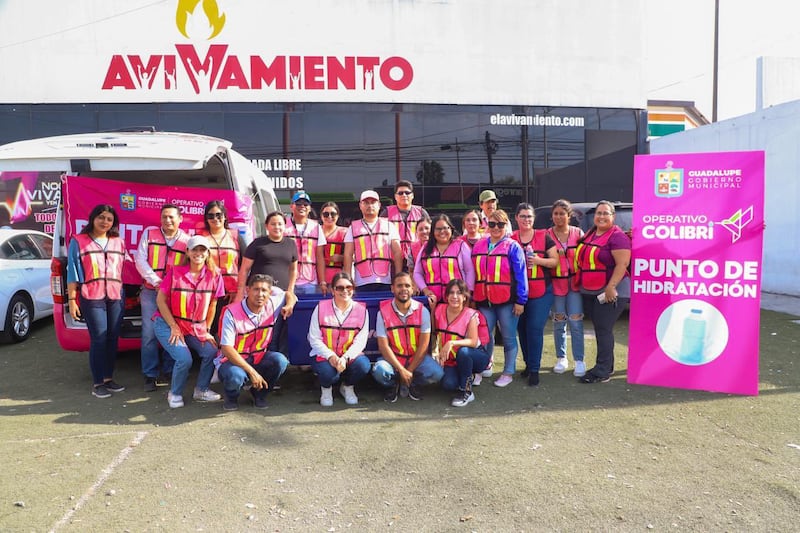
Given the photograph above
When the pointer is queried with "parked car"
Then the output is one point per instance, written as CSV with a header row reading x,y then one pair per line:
x,y
24,281
583,215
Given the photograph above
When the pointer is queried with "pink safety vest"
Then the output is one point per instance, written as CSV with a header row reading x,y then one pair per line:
x,y
190,298
102,268
306,249
403,337
339,336
406,228
334,246
592,271
252,339
439,268
226,255
160,256
493,277
536,281
563,276
373,251
457,329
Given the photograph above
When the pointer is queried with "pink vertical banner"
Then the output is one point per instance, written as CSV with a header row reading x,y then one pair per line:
x,y
698,223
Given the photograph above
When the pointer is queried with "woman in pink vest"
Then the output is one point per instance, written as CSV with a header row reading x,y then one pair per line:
x,y
333,251
423,235
94,289
471,224
567,302
603,257
462,339
540,257
187,301
338,333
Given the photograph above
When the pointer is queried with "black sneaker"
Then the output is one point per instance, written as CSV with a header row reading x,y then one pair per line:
x,y
463,398
525,373
149,384
100,391
593,378
163,380
414,393
533,379
231,403
113,386
260,400
390,395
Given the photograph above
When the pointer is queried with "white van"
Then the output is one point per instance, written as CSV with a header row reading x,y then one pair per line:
x,y
142,157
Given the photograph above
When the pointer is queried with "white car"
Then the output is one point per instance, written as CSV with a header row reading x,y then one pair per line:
x,y
24,281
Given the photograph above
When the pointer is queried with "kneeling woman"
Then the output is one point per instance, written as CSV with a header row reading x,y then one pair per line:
x,y
461,336
187,302
338,333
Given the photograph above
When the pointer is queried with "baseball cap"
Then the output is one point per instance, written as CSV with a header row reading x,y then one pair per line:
x,y
301,195
197,240
487,195
370,194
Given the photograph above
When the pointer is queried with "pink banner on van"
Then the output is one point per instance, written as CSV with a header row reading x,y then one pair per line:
x,y
698,223
138,206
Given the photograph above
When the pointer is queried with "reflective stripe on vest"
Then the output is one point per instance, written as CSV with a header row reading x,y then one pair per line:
x,y
373,252
252,339
406,227
563,276
591,270
337,336
190,299
102,267
160,256
226,255
440,267
306,244
333,246
537,284
402,336
493,277
453,331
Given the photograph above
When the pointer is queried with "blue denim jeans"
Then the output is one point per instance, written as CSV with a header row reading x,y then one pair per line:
x,y
604,316
531,329
356,370
504,316
271,368
570,307
468,361
182,355
103,320
151,351
427,373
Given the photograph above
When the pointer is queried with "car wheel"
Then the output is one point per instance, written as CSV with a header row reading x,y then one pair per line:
x,y
18,319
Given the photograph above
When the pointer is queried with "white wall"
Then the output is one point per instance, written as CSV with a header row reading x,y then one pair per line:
x,y
517,52
775,130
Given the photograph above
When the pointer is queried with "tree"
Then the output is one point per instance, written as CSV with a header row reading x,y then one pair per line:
x,y
430,173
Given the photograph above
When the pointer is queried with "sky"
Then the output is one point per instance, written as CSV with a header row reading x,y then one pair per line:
x,y
679,49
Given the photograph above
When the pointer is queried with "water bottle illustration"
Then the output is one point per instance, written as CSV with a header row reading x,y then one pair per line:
x,y
693,342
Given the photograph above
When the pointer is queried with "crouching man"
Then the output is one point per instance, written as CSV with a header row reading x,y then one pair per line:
x,y
245,334
403,329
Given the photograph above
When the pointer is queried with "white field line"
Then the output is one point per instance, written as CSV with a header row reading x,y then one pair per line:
x,y
106,472
69,437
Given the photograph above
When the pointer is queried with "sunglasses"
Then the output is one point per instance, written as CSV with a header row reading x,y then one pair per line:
x,y
493,225
342,288
330,214
212,216
404,193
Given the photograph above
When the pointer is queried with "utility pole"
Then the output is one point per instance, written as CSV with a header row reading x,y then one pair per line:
x,y
491,148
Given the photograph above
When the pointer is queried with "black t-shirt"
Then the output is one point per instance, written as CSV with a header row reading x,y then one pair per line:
x,y
273,258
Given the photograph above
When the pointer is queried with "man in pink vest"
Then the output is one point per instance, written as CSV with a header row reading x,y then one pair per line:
x,y
160,248
403,330
372,247
310,242
405,216
245,334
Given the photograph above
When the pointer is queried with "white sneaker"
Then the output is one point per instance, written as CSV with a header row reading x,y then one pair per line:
x,y
207,395
174,400
349,394
561,365
580,369
326,398
476,380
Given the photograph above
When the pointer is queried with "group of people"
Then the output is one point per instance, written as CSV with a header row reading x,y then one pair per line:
x,y
227,302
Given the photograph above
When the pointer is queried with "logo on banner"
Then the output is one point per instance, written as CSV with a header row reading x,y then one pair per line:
x,y
669,182
737,221
216,68
127,201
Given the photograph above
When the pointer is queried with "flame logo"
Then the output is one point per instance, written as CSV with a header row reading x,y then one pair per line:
x,y
185,12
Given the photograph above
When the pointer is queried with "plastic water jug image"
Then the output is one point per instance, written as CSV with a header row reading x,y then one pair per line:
x,y
693,342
